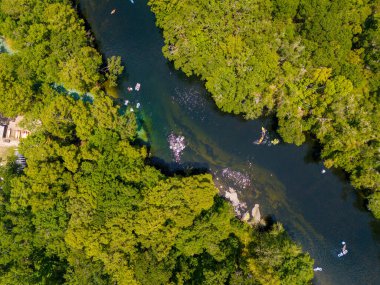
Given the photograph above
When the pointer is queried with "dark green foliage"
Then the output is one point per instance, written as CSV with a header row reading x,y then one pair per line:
x,y
16,87
22,260
275,260
91,197
312,64
87,209
114,69
49,45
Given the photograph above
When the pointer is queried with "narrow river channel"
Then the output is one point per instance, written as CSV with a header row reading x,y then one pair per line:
x,y
319,210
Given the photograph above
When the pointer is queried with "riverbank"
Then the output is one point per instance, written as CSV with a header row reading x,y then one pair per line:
x,y
295,76
287,180
87,193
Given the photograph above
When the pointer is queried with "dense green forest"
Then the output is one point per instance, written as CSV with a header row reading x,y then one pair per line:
x,y
312,64
88,209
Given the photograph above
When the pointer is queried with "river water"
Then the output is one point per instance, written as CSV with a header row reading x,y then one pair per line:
x,y
319,210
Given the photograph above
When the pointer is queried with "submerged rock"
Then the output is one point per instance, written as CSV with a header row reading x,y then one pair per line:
x,y
239,207
246,217
256,215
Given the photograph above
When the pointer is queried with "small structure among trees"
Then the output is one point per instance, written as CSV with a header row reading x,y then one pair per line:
x,y
10,129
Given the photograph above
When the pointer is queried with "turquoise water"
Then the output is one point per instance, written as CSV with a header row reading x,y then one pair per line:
x,y
4,47
318,210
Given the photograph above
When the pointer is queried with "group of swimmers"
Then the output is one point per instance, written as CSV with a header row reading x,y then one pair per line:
x,y
130,89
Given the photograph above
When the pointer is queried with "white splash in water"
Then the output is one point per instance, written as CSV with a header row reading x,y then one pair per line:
x,y
177,145
192,100
238,178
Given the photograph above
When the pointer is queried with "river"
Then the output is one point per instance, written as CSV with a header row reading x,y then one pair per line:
x,y
319,210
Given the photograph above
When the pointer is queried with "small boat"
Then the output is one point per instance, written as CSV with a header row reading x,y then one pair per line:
x,y
132,2
263,133
130,89
138,105
137,87
126,102
113,11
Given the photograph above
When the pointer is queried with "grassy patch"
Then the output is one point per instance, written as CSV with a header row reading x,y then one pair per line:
x,y
6,152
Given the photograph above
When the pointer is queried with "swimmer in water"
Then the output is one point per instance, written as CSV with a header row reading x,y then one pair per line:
x,y
344,248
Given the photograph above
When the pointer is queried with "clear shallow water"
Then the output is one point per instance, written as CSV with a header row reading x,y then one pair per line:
x,y
318,210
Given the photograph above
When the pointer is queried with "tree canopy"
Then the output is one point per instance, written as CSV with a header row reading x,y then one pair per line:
x,y
51,46
88,209
314,65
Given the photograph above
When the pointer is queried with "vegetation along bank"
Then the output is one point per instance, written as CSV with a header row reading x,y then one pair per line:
x,y
314,65
87,209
